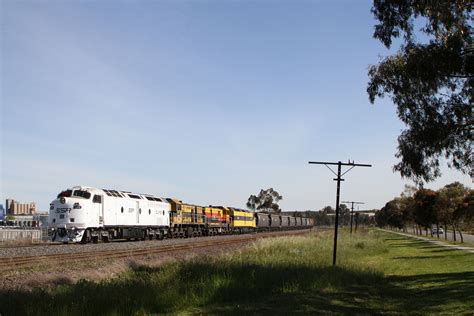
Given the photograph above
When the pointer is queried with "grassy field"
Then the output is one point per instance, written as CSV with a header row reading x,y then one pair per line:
x,y
377,272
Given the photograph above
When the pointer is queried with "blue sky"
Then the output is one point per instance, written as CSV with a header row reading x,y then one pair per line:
x,y
208,101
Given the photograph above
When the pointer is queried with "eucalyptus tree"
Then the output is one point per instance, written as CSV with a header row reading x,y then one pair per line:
x,y
450,202
465,212
424,208
265,201
430,80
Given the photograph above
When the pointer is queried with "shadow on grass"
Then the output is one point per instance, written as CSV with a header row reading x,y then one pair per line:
x,y
395,239
444,249
431,246
427,257
206,287
412,244
236,288
426,292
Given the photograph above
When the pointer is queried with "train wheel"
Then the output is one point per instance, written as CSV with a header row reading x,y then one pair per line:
x,y
189,232
85,237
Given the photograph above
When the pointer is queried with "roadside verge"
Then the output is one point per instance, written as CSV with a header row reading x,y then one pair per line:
x,y
440,243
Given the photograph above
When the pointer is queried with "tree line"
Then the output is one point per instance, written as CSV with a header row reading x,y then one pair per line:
x,y
451,207
267,201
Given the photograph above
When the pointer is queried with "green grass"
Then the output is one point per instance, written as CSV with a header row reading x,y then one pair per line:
x,y
377,273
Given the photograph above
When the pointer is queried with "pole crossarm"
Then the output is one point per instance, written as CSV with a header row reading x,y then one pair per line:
x,y
337,163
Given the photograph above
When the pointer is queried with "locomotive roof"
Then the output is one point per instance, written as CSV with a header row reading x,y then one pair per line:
x,y
119,193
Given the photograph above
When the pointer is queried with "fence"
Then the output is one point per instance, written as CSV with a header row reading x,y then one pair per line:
x,y
31,235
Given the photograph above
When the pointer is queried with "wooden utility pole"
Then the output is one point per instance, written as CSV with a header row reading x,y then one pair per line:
x,y
352,210
338,179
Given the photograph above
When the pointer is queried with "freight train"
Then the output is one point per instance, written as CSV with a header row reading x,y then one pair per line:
x,y
86,214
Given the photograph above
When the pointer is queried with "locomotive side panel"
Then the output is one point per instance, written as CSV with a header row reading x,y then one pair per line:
x,y
128,213
163,213
242,219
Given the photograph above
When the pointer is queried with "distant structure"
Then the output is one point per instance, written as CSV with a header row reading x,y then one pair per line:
x,y
16,208
370,213
2,212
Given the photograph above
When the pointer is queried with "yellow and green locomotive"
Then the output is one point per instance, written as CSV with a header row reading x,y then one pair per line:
x,y
186,220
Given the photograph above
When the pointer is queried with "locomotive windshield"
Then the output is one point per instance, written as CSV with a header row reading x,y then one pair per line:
x,y
82,193
66,193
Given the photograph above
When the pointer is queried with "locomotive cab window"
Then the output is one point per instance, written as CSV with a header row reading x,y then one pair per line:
x,y
82,193
97,199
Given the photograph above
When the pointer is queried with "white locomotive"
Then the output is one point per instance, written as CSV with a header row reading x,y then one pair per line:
x,y
84,214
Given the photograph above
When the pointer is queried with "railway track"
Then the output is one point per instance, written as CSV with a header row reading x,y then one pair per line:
x,y
38,244
12,263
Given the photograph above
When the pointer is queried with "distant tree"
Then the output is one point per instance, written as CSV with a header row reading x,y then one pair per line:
x,y
430,80
328,210
465,212
381,217
390,215
266,201
344,214
424,208
323,218
451,205
406,205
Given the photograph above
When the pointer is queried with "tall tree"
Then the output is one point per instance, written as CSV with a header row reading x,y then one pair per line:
x,y
424,208
391,214
266,201
430,80
465,212
407,204
451,202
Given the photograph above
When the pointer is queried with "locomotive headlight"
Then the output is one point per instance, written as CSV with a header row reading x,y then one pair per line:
x,y
62,200
51,206
77,206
